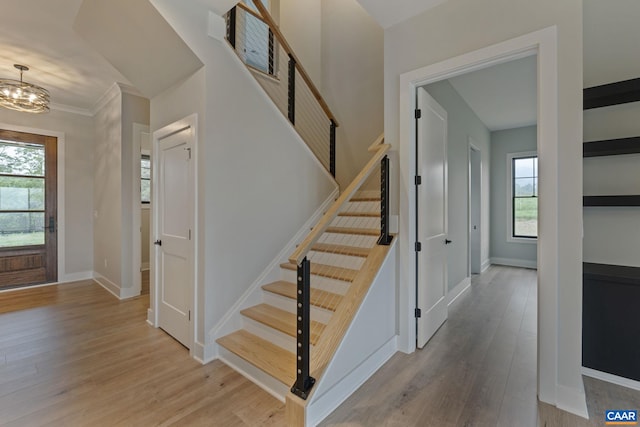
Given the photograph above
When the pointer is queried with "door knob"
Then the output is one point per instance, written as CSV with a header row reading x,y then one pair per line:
x,y
158,242
447,241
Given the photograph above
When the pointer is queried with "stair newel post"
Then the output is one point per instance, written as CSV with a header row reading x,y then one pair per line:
x,y
385,238
292,90
332,148
231,26
304,382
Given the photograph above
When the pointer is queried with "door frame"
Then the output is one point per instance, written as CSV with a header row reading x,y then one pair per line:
x,y
544,44
152,315
474,147
136,214
61,221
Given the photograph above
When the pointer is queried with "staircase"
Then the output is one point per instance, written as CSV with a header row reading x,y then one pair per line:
x,y
337,260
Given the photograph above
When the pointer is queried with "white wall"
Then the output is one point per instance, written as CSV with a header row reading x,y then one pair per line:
x,y
462,123
258,183
352,81
107,223
78,181
301,23
113,189
612,235
460,26
504,142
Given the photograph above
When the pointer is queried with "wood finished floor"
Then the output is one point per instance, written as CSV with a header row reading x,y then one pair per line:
x,y
478,370
73,355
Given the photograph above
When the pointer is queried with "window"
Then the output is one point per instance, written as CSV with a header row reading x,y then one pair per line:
x,y
259,44
523,196
145,179
22,190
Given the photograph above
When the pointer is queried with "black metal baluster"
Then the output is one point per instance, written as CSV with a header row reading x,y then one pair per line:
x,y
231,26
292,90
385,238
304,382
332,149
272,53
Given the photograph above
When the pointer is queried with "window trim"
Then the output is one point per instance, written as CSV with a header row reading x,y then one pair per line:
x,y
509,181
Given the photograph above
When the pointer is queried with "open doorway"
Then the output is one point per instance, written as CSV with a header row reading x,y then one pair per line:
x,y
541,44
475,209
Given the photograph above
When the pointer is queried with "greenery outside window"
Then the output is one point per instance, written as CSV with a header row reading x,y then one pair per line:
x,y
523,197
22,194
145,179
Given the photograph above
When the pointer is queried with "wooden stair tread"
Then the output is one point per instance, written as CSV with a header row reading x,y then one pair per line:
x,y
353,230
360,214
270,358
281,320
329,271
341,249
365,198
319,298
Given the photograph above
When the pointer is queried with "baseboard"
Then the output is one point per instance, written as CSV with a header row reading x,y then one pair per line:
x,y
513,262
76,277
232,320
145,266
572,400
204,353
334,397
486,264
458,290
151,317
111,287
610,378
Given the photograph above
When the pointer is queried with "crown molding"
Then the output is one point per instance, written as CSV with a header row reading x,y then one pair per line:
x,y
71,109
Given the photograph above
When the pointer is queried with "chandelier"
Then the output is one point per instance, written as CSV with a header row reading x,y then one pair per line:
x,y
22,96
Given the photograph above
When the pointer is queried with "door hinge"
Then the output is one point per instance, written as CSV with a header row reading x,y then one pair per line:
x,y
189,315
188,153
418,180
418,312
418,113
189,234
418,246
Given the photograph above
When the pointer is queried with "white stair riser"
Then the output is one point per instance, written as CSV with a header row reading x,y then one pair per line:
x,y
318,282
268,333
336,260
356,222
357,241
362,207
255,375
318,314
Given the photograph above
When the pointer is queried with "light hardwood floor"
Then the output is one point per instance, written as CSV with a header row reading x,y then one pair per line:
x,y
478,370
73,355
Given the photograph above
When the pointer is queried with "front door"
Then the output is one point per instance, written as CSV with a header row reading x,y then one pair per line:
x,y
174,251
431,146
28,209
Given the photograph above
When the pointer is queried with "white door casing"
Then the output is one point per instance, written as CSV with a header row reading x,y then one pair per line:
x,y
174,249
431,217
475,210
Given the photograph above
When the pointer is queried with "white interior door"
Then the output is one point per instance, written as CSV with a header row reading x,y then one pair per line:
x,y
431,217
174,249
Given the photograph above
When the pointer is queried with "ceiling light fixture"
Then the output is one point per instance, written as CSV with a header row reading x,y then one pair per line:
x,y
22,96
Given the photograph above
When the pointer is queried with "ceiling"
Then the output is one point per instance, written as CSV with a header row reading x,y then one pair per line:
x,y
70,46
389,13
503,96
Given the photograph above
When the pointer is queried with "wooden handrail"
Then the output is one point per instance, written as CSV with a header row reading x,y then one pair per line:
x,y
268,19
251,12
301,251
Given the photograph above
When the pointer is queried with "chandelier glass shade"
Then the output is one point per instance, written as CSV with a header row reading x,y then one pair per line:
x,y
22,96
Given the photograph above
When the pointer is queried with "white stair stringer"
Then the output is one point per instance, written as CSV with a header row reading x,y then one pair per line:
x,y
368,343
